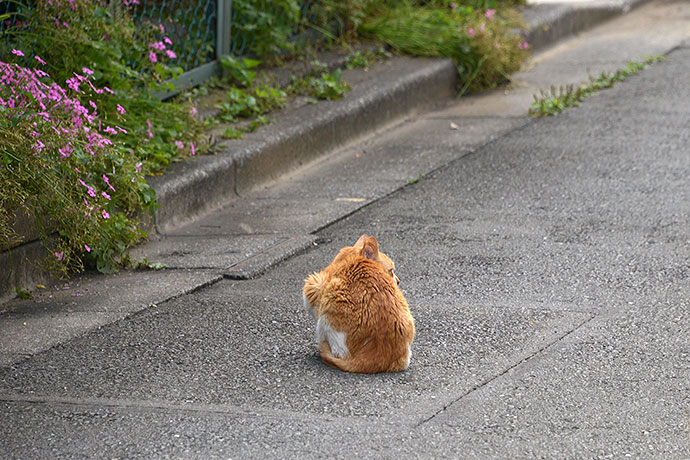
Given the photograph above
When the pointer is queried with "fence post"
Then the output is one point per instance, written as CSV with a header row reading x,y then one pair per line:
x,y
223,27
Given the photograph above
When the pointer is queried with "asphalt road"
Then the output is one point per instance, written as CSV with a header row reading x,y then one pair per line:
x,y
549,275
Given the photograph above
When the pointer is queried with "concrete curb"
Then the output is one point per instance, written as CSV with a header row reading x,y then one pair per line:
x,y
295,137
549,23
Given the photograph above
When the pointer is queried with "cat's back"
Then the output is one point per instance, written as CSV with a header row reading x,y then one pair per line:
x,y
362,288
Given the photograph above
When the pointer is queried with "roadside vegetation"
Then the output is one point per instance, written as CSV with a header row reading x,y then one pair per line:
x,y
81,125
556,101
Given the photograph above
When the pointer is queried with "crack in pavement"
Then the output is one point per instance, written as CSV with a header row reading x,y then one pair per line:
x,y
505,371
168,407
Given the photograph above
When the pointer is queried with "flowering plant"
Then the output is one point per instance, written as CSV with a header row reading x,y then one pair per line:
x,y
62,164
134,62
80,126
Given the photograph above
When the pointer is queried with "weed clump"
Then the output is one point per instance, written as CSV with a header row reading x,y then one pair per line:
x,y
557,100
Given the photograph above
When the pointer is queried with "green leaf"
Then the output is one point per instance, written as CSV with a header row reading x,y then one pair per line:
x,y
22,294
251,63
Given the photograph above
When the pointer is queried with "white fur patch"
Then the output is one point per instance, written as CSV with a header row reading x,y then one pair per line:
x,y
336,340
409,357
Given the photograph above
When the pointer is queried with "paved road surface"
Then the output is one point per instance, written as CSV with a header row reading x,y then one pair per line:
x,y
549,274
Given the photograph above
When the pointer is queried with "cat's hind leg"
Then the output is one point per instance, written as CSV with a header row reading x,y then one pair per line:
x,y
337,342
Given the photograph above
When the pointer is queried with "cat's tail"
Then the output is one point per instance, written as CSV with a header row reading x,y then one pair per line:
x,y
360,365
312,286
311,289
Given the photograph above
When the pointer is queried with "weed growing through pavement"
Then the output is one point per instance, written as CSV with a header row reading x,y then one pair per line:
x,y
416,179
366,58
557,100
322,85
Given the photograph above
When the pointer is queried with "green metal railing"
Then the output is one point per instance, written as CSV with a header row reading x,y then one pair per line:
x,y
191,25
199,30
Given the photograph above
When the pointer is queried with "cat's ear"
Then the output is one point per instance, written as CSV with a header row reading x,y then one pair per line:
x,y
360,242
371,248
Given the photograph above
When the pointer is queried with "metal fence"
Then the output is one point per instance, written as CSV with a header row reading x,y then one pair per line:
x,y
191,25
201,30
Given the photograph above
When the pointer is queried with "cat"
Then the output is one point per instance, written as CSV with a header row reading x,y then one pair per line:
x,y
363,321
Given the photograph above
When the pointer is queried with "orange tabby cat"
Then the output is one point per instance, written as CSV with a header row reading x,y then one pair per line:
x,y
363,320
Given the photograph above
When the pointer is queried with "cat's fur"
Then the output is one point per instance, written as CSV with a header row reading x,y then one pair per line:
x,y
364,323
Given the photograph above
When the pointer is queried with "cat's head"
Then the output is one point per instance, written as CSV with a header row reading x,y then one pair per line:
x,y
367,247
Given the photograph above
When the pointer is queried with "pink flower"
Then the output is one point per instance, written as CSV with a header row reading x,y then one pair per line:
x,y
60,255
121,109
152,57
105,214
96,90
167,40
87,71
171,54
470,32
92,104
122,130
148,131
73,84
160,46
107,181
489,13
138,167
453,5
108,90
65,152
17,52
88,249
193,149
179,144
40,60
